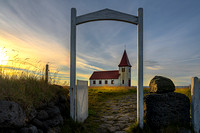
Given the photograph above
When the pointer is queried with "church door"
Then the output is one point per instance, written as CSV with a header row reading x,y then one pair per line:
x,y
129,82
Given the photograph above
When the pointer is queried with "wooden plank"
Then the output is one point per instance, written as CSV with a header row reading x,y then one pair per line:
x,y
195,105
73,65
140,68
107,14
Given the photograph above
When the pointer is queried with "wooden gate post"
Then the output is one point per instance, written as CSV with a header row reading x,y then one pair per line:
x,y
47,73
73,65
140,68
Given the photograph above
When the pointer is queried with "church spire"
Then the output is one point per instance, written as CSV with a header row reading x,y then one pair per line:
x,y
124,61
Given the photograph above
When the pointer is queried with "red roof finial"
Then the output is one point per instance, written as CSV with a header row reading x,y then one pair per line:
x,y
124,60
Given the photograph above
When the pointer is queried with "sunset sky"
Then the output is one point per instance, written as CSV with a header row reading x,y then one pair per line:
x,y
38,32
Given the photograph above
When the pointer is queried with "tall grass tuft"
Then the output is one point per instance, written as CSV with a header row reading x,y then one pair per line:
x,y
28,91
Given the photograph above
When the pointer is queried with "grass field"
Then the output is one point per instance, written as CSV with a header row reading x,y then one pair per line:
x,y
96,97
29,91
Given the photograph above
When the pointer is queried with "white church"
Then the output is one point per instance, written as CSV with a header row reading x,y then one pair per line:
x,y
121,77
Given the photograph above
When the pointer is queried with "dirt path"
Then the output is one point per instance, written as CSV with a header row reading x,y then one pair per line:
x,y
118,113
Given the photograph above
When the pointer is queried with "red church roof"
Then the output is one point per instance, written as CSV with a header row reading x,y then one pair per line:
x,y
114,74
124,60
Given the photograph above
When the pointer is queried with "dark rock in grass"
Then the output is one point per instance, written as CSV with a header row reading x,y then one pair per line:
x,y
161,110
31,129
55,121
52,111
32,114
40,131
42,115
55,130
7,130
161,84
39,124
11,115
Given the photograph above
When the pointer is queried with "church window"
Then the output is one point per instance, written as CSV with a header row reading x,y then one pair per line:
x,y
106,81
94,82
129,70
122,81
112,81
123,69
99,81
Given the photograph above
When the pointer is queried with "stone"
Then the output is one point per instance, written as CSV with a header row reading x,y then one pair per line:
x,y
52,111
113,129
161,84
32,114
8,131
54,130
31,129
161,110
40,124
11,115
42,115
120,132
101,130
57,120
40,131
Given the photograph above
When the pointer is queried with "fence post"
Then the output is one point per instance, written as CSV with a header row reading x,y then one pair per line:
x,y
195,104
47,73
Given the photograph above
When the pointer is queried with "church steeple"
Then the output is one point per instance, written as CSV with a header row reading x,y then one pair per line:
x,y
124,61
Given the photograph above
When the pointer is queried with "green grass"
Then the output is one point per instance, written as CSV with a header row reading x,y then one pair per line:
x,y
185,91
96,97
134,128
28,91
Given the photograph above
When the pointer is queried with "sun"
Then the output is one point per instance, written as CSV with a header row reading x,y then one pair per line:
x,y
3,56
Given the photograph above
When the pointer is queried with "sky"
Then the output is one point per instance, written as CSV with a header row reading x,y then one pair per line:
x,y
36,32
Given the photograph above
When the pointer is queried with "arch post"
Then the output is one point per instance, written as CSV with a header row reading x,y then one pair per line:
x,y
140,68
73,65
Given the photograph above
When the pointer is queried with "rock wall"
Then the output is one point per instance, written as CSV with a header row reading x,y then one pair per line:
x,y
45,119
163,107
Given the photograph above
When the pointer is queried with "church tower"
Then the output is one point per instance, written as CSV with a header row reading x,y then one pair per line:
x,y
125,71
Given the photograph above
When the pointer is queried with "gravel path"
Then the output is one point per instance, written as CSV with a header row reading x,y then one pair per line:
x,y
118,114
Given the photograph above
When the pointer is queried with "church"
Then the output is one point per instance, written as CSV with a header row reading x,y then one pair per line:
x,y
121,77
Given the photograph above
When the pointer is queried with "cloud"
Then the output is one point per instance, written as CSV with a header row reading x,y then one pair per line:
x,y
152,65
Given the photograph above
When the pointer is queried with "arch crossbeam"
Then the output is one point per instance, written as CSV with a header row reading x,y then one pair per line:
x,y
107,14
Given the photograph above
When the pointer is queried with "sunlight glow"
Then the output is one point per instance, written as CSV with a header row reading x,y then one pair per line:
x,y
3,56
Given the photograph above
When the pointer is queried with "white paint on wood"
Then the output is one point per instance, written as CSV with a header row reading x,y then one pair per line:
x,y
195,103
82,100
107,14
140,68
73,64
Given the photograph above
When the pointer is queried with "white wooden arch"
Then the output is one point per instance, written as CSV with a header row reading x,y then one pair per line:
x,y
107,14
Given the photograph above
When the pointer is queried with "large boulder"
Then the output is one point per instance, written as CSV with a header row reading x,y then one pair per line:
x,y
161,110
11,115
161,84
